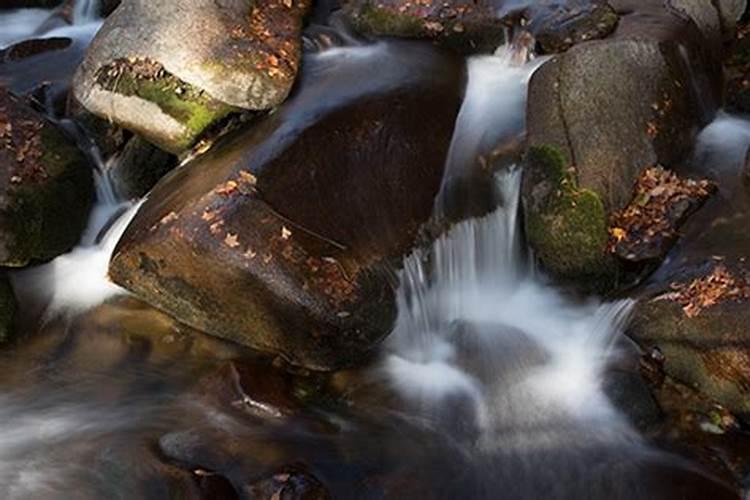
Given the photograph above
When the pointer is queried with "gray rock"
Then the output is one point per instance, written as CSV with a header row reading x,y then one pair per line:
x,y
606,110
140,73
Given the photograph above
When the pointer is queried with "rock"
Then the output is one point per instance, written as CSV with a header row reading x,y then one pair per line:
x,y
597,116
8,308
103,134
140,74
139,167
41,68
573,23
254,388
730,12
283,237
481,26
467,25
700,328
706,16
647,227
288,483
46,186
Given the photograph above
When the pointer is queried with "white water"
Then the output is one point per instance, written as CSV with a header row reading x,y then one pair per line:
x,y
474,320
21,24
722,145
494,109
78,280
475,324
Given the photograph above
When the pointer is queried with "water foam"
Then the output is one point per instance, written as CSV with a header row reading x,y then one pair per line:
x,y
78,280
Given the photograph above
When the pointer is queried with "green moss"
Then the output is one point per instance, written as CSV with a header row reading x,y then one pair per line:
x,y
568,228
187,104
380,20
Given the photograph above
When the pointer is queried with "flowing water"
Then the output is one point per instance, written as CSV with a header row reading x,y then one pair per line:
x,y
498,378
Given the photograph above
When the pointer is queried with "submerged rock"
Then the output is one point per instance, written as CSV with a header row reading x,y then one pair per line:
x,y
700,327
140,73
597,116
46,186
284,236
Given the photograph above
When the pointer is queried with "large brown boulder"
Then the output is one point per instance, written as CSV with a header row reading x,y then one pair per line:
x,y
46,187
140,73
600,114
284,237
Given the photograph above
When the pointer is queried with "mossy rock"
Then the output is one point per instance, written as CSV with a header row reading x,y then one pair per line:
x,y
188,105
140,74
565,225
47,187
459,25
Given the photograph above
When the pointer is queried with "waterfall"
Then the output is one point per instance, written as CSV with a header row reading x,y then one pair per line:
x,y
22,24
476,324
86,11
78,280
494,110
473,319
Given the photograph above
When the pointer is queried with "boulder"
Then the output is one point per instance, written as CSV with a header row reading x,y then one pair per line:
x,y
577,21
597,116
284,236
464,24
46,186
482,26
140,73
700,327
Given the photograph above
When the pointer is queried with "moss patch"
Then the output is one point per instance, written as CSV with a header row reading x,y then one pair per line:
x,y
567,225
147,79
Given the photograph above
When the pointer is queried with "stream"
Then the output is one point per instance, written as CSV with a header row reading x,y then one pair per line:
x,y
493,384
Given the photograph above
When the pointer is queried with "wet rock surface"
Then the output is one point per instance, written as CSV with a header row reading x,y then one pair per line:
x,y
140,74
699,327
42,69
605,111
468,26
240,243
47,186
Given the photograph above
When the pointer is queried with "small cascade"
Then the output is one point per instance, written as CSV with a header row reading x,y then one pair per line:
x,y
86,11
493,112
77,280
22,24
474,322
